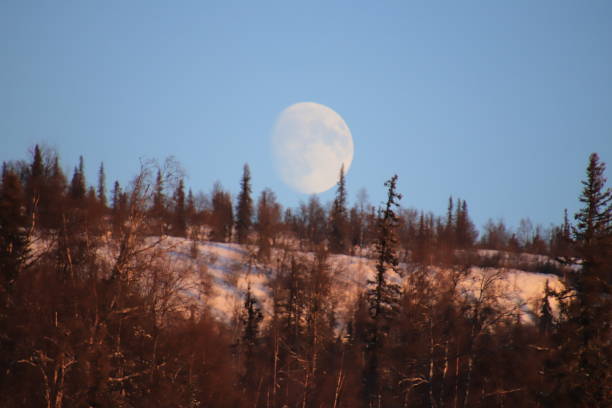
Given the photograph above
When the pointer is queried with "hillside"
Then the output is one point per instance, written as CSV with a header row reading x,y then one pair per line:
x,y
156,298
223,270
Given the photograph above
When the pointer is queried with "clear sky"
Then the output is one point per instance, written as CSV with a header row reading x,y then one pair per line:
x,y
499,103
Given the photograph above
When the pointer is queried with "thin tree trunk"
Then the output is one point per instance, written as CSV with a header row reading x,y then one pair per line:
x,y
431,364
339,382
306,385
257,393
457,371
468,381
274,374
466,395
444,375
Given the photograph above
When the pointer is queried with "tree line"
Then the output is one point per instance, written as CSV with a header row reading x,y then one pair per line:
x,y
89,313
173,209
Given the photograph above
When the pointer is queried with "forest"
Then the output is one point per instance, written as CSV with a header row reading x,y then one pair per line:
x,y
91,312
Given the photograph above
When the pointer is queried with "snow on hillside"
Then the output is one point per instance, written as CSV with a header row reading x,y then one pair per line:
x,y
525,258
226,269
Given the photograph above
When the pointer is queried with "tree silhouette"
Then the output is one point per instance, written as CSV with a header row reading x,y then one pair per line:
x,y
383,295
244,208
581,365
338,232
102,186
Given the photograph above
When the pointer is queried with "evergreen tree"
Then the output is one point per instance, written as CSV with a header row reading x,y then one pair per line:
x,y
102,186
35,181
561,240
180,217
56,172
449,230
190,210
117,207
58,180
546,317
92,199
465,231
581,366
383,296
537,244
566,227
421,252
93,209
37,167
55,197
244,208
250,319
338,233
13,237
222,217
116,194
77,185
449,213
594,220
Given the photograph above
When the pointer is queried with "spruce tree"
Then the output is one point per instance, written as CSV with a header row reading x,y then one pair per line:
x,y
423,244
180,218
35,181
338,233
594,219
222,217
581,367
546,316
117,208
382,295
91,196
450,224
158,210
561,240
465,231
244,207
13,236
56,197
58,178
190,210
459,225
566,227
77,184
102,186
37,167
250,319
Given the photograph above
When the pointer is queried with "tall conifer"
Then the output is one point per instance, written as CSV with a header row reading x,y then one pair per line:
x,y
102,186
244,207
180,217
338,232
581,365
383,295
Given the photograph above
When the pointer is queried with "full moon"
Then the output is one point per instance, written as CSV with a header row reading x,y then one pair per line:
x,y
310,143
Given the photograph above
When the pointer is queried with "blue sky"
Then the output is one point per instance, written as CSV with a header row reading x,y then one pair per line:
x,y
499,103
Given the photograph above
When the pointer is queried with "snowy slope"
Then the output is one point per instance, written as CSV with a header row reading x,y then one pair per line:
x,y
224,269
